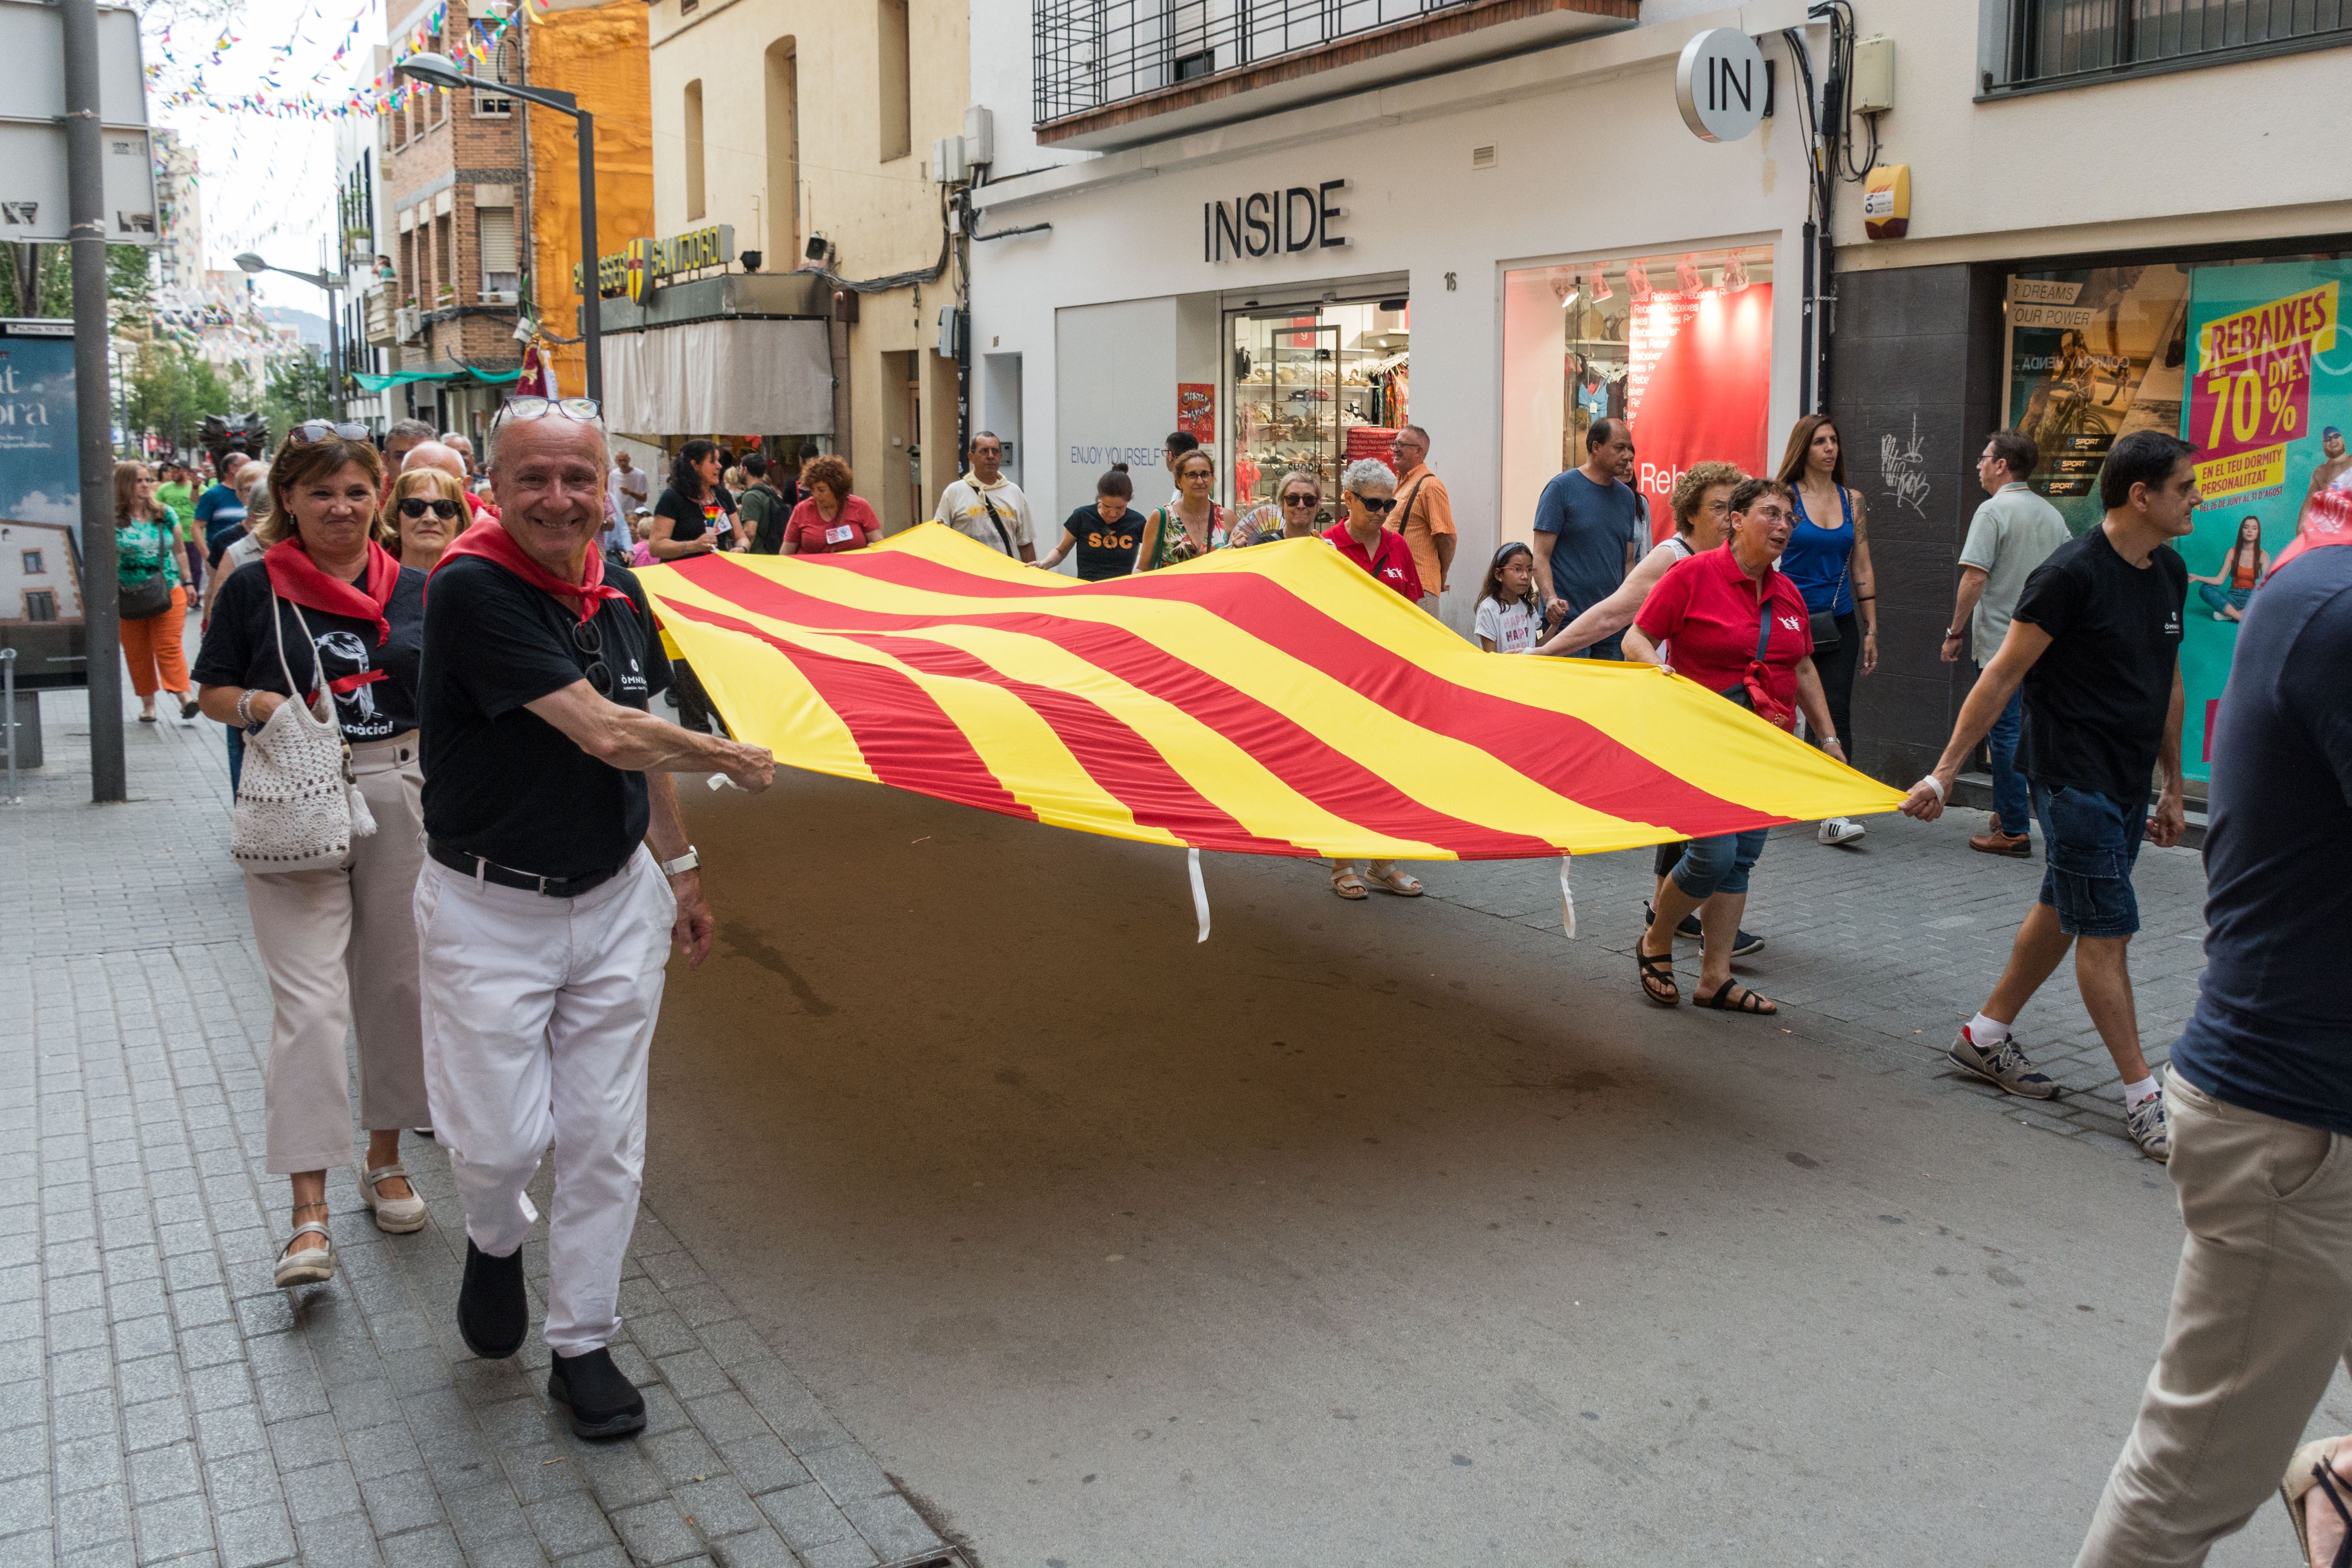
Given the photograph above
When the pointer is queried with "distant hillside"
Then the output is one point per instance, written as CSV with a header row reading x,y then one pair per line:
x,y
309,324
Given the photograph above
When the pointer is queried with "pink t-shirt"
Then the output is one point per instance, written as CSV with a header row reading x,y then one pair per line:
x,y
642,554
810,534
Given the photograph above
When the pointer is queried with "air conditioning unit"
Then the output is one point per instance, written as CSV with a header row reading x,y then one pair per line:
x,y
407,325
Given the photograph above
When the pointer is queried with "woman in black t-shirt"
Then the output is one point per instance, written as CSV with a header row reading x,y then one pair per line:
x,y
695,515
1104,534
340,941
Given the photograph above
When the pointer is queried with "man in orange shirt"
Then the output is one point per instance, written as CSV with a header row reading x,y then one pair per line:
x,y
1425,513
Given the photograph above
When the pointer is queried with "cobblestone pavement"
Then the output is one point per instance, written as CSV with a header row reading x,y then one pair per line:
x,y
1889,944
160,1400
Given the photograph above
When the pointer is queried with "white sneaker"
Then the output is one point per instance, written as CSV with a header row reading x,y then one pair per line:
x,y
1840,831
2148,1130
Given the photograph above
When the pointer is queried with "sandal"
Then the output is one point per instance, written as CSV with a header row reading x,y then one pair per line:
x,y
1747,1001
309,1265
1401,883
1346,883
1658,978
396,1216
2314,1465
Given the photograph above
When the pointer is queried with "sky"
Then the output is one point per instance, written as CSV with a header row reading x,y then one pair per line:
x,y
268,184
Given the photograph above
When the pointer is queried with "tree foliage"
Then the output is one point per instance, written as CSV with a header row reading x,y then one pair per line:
x,y
300,388
129,295
171,389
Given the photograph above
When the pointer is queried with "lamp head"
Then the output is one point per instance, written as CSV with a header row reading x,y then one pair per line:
x,y
252,263
432,70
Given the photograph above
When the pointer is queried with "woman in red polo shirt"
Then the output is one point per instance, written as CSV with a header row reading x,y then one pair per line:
x,y
1740,629
1368,493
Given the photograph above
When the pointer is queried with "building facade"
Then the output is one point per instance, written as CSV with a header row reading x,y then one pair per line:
x,y
803,131
179,255
362,219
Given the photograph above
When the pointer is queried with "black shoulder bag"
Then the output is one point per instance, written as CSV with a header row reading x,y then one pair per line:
x,y
989,507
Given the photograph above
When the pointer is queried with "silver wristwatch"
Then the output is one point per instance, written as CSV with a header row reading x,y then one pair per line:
x,y
683,864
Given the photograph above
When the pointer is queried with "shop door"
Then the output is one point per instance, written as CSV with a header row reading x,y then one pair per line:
x,y
1285,404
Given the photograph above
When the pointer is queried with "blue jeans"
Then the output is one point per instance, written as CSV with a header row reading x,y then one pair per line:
x,y
236,759
2091,842
1718,865
2219,599
2012,800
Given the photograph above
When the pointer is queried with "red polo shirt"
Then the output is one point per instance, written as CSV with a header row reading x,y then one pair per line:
x,y
1708,607
1390,560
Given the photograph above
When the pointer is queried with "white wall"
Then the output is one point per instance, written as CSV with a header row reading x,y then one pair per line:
x,y
1414,206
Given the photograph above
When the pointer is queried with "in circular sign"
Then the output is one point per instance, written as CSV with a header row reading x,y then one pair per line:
x,y
1721,85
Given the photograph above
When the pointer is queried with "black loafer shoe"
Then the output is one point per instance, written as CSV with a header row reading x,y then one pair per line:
x,y
603,1403
493,1313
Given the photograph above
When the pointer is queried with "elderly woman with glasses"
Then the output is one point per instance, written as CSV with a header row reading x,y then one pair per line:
x,y
427,508
1368,488
331,615
1295,512
1193,526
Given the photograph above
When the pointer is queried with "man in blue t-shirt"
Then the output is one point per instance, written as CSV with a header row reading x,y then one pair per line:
x,y
220,511
2259,1102
1588,529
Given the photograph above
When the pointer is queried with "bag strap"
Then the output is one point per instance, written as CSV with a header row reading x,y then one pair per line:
x,y
1763,620
316,669
989,507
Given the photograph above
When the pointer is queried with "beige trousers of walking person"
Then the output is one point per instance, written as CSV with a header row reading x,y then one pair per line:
x,y
339,946
2261,1310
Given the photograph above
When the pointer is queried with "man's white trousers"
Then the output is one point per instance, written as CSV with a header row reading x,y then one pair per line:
x,y
539,1016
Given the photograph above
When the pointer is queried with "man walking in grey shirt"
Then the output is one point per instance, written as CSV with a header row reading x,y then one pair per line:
x,y
2013,531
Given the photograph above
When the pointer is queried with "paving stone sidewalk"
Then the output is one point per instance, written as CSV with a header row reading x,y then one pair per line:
x,y
162,1401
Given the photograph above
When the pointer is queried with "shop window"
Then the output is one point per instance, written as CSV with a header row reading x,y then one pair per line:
x,y
694,192
2064,43
1312,390
32,564
1678,345
896,86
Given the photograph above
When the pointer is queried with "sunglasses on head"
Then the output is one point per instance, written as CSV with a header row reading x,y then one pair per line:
x,y
1385,504
312,430
417,506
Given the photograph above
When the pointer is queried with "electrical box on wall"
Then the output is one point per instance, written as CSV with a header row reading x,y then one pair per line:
x,y
950,332
949,164
979,135
1874,75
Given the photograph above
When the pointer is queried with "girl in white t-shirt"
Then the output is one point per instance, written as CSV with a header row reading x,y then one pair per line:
x,y
1510,615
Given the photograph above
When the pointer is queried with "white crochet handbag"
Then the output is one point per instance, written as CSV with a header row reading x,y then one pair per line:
x,y
298,804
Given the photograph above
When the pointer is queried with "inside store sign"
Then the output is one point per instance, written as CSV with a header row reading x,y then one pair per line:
x,y
1271,223
1721,85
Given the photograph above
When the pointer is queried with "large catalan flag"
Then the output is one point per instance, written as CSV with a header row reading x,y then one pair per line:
x,y
1273,700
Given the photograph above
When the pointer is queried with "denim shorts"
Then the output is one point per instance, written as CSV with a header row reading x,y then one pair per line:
x,y
2091,841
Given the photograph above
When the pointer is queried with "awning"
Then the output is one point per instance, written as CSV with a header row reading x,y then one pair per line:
x,y
771,376
403,377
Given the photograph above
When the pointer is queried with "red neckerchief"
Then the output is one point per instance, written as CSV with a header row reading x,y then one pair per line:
x,y
2327,521
296,576
492,542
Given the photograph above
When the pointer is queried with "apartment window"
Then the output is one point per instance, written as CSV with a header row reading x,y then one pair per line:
x,y
2068,43
501,273
445,262
408,264
497,105
32,567
783,207
40,606
897,95
694,193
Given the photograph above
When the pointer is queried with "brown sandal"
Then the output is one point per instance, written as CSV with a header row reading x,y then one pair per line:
x,y
1658,978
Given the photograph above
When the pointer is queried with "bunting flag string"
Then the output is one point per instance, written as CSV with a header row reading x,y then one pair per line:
x,y
385,93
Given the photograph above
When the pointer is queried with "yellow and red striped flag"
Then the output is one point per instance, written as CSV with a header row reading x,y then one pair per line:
x,y
1273,700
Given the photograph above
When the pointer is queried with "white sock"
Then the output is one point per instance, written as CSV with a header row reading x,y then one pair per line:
x,y
2136,1092
1987,1031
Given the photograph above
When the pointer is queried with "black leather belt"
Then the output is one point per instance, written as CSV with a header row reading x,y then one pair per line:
x,y
505,877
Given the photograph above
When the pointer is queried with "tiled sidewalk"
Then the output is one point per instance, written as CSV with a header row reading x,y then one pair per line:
x,y
161,1400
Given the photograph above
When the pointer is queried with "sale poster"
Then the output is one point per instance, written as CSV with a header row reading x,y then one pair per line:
x,y
40,505
1697,386
2270,398
1196,410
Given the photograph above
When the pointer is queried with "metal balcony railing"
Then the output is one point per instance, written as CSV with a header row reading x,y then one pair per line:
x,y
2066,42
1089,54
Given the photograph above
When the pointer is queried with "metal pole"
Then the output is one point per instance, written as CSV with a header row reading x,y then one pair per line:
x,y
335,352
86,216
8,700
592,326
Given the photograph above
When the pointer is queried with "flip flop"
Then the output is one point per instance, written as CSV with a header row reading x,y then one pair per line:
x,y
1657,976
1747,1001
2314,1465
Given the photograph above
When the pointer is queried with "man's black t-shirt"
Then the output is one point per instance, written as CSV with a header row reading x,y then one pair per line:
x,y
500,781
240,649
688,518
2096,700
2273,1029
1105,549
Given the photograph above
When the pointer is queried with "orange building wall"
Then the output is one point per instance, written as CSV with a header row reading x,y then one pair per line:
x,y
601,57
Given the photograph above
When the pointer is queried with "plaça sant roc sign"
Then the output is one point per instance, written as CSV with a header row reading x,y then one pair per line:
x,y
634,273
1271,223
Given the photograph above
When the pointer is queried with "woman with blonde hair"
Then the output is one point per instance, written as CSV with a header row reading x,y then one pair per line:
x,y
328,610
148,569
426,510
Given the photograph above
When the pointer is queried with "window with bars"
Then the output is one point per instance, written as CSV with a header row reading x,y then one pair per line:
x,y
2067,43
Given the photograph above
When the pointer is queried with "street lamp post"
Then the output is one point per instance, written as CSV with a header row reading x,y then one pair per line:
x,y
332,283
439,70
